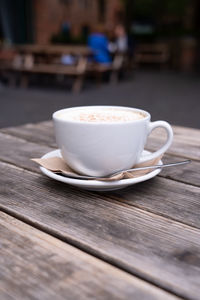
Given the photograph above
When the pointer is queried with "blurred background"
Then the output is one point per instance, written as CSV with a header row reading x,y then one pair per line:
x,y
62,53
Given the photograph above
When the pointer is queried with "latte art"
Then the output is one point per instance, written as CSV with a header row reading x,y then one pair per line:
x,y
101,115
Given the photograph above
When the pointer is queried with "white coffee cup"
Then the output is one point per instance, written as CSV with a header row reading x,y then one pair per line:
x,y
101,148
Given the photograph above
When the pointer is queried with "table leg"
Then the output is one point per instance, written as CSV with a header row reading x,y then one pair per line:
x,y
24,80
78,84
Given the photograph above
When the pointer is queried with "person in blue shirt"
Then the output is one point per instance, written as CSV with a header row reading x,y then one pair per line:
x,y
98,43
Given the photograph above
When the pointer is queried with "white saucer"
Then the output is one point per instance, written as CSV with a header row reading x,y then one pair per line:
x,y
95,185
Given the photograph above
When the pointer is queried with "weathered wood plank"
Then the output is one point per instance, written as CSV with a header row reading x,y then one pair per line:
x,y
181,134
35,265
161,196
186,173
187,134
155,248
167,198
185,143
40,133
181,149
186,140
18,151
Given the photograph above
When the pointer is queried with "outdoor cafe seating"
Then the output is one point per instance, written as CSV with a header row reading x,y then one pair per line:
x,y
50,60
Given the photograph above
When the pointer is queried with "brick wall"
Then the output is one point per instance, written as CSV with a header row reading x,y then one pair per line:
x,y
50,14
113,7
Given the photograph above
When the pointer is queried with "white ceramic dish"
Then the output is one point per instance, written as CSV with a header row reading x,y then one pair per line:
x,y
95,185
102,148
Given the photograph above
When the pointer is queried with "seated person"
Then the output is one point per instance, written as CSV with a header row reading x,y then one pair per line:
x,y
121,39
98,43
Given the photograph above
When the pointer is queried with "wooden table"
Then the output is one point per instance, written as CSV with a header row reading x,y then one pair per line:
x,y
58,242
156,53
46,60
53,49
27,60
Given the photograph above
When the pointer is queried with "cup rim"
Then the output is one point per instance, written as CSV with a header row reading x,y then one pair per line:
x,y
56,118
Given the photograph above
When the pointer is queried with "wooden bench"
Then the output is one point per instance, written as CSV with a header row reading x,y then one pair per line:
x,y
78,71
152,53
37,59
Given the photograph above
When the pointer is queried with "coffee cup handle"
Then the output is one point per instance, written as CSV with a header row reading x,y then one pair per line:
x,y
163,149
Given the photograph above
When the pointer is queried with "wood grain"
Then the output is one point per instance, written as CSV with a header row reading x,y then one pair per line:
x,y
186,140
161,196
35,265
16,150
167,198
189,173
157,249
188,134
19,152
40,133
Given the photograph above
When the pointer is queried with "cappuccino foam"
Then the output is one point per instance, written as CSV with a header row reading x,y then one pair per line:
x,y
101,115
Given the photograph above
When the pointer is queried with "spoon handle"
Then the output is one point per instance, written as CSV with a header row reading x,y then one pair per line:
x,y
155,167
84,177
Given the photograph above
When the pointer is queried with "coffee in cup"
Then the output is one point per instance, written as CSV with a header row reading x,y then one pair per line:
x,y
100,140
108,115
